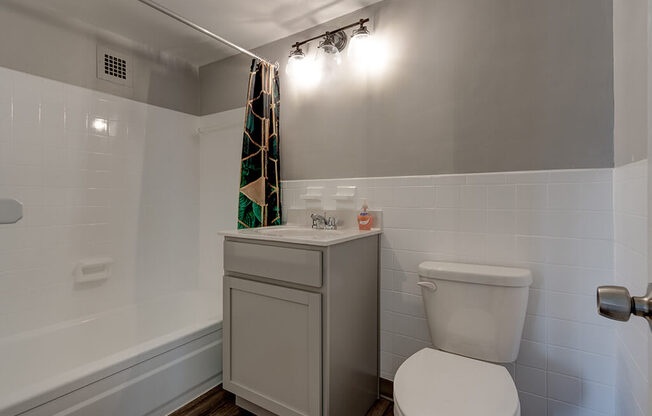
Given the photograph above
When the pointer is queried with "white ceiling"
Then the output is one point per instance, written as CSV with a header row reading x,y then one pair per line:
x,y
248,23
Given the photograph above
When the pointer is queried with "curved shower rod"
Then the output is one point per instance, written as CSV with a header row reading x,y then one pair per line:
x,y
179,18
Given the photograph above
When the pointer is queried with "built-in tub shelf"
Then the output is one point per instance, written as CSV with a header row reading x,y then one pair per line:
x,y
93,269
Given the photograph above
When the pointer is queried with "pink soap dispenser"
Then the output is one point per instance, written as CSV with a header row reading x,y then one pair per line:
x,y
364,219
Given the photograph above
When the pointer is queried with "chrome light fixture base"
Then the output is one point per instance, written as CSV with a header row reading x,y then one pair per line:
x,y
297,53
362,31
338,39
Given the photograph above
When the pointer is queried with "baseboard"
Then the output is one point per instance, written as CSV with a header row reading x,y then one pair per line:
x,y
191,395
252,407
386,389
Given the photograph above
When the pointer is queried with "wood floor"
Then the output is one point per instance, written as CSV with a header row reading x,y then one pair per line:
x,y
382,407
219,402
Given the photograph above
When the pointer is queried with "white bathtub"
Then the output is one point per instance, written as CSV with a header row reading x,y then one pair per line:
x,y
146,359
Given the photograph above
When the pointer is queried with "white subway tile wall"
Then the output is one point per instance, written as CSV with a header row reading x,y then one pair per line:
x,y
557,223
129,192
630,213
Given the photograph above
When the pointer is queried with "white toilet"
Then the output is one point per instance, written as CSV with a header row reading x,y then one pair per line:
x,y
474,313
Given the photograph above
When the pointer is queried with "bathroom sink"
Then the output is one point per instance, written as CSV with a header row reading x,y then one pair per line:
x,y
295,232
300,234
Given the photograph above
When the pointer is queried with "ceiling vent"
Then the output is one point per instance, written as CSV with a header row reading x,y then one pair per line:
x,y
114,66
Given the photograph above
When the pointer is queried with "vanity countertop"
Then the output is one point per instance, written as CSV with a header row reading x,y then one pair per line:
x,y
301,235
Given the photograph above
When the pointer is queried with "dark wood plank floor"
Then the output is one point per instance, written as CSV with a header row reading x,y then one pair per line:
x,y
219,402
382,407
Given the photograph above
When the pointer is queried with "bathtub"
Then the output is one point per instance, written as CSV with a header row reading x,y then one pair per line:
x,y
145,359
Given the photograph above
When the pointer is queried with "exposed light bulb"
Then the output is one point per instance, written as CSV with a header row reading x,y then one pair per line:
x,y
295,61
328,56
369,54
362,48
302,69
359,44
309,73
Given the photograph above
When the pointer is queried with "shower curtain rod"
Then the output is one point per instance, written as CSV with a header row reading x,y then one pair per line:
x,y
205,31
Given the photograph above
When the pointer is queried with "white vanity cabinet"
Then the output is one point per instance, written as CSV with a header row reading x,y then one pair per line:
x,y
301,326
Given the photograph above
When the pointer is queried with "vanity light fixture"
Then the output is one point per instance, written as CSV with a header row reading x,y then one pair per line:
x,y
295,60
329,49
360,39
328,53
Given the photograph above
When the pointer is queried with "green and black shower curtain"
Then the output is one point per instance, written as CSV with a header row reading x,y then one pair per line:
x,y
260,186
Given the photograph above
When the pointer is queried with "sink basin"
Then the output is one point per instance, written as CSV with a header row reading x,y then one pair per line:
x,y
300,234
307,233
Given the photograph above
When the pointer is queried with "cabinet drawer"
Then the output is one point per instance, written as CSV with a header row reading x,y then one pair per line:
x,y
287,264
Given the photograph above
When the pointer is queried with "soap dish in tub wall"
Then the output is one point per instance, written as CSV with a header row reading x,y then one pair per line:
x,y
93,269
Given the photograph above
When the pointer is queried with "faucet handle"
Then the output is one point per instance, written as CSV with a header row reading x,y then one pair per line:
x,y
318,221
331,223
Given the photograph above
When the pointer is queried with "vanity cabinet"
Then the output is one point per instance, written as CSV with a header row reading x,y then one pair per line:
x,y
301,326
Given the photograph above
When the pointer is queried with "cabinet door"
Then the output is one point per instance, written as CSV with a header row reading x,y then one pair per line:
x,y
272,346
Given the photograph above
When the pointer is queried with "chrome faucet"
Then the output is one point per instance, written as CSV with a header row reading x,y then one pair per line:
x,y
321,222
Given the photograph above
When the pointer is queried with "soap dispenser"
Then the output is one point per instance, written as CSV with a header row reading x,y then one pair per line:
x,y
364,219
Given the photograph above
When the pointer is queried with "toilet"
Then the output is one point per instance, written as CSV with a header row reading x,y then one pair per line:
x,y
475,315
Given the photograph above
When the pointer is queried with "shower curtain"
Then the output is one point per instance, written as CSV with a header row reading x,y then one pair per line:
x,y
260,187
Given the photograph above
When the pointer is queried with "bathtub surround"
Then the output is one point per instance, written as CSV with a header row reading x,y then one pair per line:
x,y
471,86
130,194
126,190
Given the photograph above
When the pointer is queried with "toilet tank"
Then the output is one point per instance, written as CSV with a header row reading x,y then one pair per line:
x,y
475,310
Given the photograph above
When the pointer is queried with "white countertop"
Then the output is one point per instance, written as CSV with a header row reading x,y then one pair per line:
x,y
301,235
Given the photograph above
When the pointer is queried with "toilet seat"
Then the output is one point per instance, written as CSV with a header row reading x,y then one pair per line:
x,y
437,383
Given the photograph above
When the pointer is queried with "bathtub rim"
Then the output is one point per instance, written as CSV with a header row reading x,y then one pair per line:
x,y
54,387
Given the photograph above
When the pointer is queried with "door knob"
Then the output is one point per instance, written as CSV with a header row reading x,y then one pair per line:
x,y
614,302
11,211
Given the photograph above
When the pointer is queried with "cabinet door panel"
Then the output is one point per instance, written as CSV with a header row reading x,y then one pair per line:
x,y
272,350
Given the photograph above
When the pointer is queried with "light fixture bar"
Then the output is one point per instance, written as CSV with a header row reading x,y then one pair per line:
x,y
201,29
297,44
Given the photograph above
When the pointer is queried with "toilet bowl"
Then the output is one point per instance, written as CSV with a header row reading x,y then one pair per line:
x,y
475,315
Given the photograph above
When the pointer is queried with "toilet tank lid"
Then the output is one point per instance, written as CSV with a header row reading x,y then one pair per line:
x,y
476,273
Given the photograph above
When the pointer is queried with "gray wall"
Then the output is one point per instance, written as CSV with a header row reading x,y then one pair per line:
x,y
36,43
630,80
469,86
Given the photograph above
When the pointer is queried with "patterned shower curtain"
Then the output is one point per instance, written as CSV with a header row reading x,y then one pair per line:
x,y
260,187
